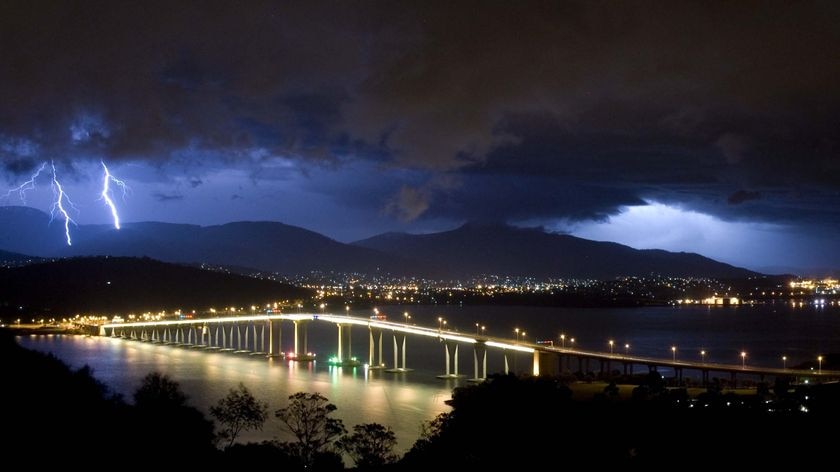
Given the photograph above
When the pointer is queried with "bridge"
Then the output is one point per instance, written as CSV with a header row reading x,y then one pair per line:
x,y
259,335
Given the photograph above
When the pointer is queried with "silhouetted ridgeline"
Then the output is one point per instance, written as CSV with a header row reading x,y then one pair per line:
x,y
468,251
501,249
13,258
122,284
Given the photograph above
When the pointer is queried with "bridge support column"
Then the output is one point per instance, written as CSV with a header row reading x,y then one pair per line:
x,y
397,350
507,366
275,348
301,339
454,350
344,356
479,354
227,337
240,348
545,363
373,361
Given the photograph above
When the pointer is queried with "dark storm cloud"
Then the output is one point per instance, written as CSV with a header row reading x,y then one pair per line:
x,y
742,196
167,197
566,109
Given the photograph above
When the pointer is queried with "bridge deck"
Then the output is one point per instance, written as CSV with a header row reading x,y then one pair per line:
x,y
490,341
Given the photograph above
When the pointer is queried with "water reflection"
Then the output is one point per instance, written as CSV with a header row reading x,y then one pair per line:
x,y
360,396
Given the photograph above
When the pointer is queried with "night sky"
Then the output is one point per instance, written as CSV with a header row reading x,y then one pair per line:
x,y
711,127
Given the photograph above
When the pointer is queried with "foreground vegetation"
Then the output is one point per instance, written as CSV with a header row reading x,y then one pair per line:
x,y
53,414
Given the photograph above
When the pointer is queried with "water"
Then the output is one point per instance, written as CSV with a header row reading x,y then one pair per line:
x,y
404,401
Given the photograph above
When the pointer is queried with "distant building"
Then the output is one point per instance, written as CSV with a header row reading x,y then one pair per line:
x,y
722,301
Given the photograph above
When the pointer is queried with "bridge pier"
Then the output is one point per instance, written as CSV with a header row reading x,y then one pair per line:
x,y
397,368
272,335
344,356
373,361
449,374
240,349
479,352
545,363
257,342
227,338
301,340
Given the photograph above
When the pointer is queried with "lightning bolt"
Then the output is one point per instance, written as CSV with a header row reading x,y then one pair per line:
x,y
60,198
106,190
26,186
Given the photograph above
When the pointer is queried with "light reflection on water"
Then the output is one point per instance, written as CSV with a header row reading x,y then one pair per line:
x,y
404,401
361,397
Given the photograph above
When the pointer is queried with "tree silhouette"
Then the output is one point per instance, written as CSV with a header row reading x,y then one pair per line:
x,y
308,418
165,422
370,445
159,391
239,411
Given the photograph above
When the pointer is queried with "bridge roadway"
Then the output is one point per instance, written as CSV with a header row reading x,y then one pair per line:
x,y
545,358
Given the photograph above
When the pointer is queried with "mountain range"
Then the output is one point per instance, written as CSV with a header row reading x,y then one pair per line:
x,y
467,251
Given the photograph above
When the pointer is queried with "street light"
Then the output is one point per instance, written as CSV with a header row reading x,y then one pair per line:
x,y
571,343
703,356
563,340
819,359
743,359
626,348
407,317
611,346
347,310
674,353
516,330
784,362
440,323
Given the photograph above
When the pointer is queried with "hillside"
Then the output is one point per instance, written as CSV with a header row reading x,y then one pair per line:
x,y
120,285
